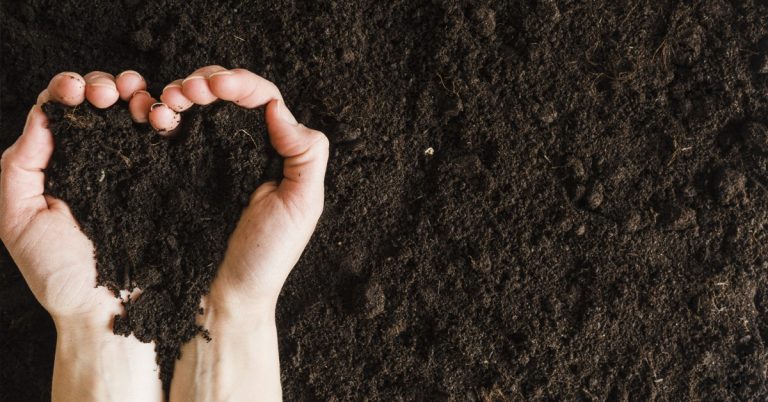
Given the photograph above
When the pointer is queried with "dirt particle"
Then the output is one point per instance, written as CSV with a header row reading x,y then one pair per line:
x,y
576,169
481,262
686,46
729,186
678,218
375,300
633,222
757,136
142,39
352,261
595,197
345,133
763,65
581,230
348,56
575,191
485,20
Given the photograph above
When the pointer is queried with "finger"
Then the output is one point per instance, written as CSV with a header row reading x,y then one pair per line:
x,y
67,88
243,87
100,89
264,190
174,97
128,82
57,205
44,97
139,105
195,86
163,119
305,152
22,179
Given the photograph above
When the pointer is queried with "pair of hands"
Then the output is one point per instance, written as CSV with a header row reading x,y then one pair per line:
x,y
57,260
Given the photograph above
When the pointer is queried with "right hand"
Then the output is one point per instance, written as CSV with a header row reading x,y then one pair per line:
x,y
274,229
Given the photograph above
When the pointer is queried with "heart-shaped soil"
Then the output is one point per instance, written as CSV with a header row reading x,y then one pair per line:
x,y
158,210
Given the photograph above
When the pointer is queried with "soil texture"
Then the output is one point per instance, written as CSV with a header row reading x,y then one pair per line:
x,y
526,199
159,210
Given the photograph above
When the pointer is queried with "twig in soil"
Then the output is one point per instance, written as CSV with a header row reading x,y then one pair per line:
x,y
238,38
120,154
676,152
629,14
453,86
652,366
72,119
662,48
249,136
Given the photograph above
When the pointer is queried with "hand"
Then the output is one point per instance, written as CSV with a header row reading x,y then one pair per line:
x,y
57,259
276,226
242,361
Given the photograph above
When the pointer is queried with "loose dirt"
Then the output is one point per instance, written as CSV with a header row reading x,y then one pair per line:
x,y
526,200
159,210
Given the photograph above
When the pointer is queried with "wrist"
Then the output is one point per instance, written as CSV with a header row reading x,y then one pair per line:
x,y
240,354
92,336
220,315
230,306
93,364
98,322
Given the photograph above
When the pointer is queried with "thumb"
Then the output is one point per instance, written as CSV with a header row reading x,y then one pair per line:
x,y
22,181
305,152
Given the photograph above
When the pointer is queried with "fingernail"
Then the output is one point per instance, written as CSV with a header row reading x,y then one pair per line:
x,y
142,92
103,85
29,115
72,76
171,86
285,114
225,72
129,72
158,104
192,77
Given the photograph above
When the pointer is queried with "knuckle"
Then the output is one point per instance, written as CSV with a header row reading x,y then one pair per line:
x,y
320,139
5,159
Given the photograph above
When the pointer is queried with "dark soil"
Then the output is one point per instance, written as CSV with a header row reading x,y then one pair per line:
x,y
526,200
159,211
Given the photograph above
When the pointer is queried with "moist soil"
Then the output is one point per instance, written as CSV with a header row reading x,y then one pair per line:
x,y
526,200
159,210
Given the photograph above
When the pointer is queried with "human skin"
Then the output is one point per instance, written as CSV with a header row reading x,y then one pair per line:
x,y
241,361
56,259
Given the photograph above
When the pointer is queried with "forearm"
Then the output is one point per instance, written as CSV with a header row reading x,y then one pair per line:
x,y
93,364
240,362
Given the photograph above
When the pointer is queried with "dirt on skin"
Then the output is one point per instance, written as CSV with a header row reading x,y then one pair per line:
x,y
159,210
526,200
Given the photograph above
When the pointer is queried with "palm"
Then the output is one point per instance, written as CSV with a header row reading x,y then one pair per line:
x,y
274,229
57,261
54,256
267,243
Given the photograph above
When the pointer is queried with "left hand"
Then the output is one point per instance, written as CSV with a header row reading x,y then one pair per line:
x,y
57,259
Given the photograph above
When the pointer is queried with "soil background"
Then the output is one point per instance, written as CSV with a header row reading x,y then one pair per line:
x,y
526,200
